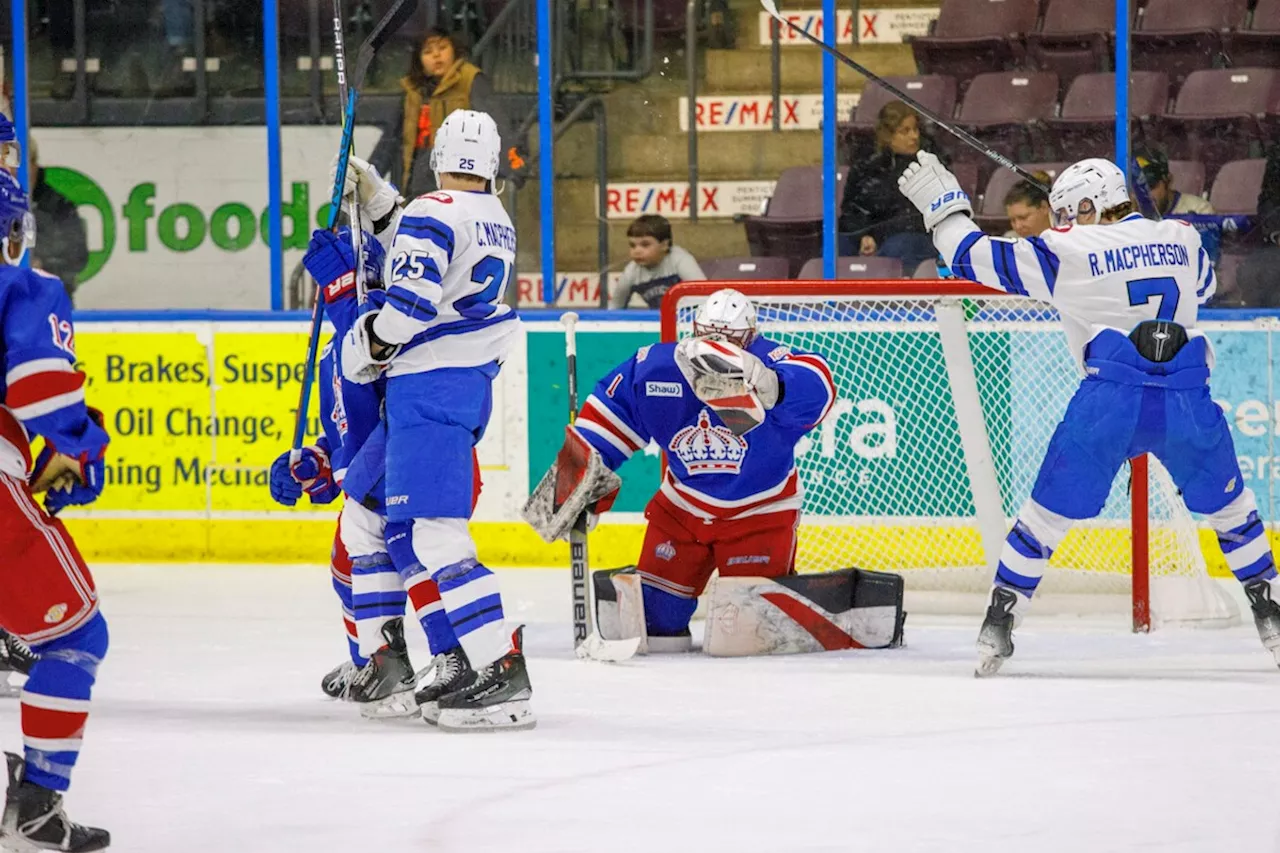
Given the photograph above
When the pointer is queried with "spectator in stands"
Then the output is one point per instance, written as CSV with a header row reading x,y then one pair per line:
x,y
656,264
62,248
1170,202
440,80
1258,277
1027,207
875,219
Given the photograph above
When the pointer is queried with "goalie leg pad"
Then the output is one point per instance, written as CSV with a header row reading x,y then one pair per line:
x,y
620,605
579,481
848,609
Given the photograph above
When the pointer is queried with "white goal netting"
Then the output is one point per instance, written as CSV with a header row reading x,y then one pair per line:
x,y
945,407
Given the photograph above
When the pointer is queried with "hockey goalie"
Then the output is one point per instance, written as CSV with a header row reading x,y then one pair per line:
x,y
727,407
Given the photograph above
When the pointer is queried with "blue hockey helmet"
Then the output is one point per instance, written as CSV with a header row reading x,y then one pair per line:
x,y
17,225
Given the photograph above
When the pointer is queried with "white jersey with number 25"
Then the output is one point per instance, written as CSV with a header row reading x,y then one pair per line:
x,y
450,260
1097,276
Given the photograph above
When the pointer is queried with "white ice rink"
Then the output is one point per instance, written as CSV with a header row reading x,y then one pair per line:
x,y
209,733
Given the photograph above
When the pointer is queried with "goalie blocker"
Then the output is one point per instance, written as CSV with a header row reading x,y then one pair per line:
x,y
793,614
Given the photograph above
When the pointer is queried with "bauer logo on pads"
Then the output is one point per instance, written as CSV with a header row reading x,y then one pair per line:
x,y
663,389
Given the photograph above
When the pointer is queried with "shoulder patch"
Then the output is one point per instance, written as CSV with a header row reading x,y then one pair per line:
x,y
779,352
663,389
438,196
643,353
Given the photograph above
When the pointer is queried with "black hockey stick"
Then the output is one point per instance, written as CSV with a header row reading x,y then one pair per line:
x,y
390,23
963,135
579,569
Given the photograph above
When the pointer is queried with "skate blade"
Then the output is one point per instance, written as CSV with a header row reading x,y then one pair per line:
x,y
512,716
431,713
988,666
393,707
14,843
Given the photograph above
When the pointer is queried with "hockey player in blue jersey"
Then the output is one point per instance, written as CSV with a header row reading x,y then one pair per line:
x,y
1128,290
47,595
440,338
727,407
373,573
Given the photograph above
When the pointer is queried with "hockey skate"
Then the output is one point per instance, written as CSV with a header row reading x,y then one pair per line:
x,y
337,684
995,640
452,672
34,819
15,657
496,699
1266,615
384,688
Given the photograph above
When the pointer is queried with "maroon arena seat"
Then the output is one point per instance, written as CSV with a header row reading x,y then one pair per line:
x,y
1181,36
1228,293
791,227
1074,39
990,213
1259,45
973,36
1236,188
745,269
1220,114
1087,125
935,91
1006,110
849,269
1188,176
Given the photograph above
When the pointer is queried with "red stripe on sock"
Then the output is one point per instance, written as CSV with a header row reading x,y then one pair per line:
x,y
52,725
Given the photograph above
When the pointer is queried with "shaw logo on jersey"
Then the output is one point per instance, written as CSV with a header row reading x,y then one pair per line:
x,y
707,449
663,389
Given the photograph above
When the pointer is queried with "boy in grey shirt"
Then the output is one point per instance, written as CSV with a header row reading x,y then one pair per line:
x,y
655,264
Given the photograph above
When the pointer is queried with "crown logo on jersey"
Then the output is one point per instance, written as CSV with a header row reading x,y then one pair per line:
x,y
707,449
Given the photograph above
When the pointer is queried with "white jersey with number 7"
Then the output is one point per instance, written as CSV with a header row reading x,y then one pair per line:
x,y
1097,276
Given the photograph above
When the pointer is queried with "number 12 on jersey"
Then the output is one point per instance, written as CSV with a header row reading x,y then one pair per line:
x,y
1165,287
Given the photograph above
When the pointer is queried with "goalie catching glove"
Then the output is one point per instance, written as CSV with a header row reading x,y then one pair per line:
x,y
934,191
732,381
579,481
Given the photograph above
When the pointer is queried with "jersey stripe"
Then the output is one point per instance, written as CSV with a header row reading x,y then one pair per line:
x,y
42,393
428,228
598,419
819,366
411,304
962,264
1007,266
37,365
1048,262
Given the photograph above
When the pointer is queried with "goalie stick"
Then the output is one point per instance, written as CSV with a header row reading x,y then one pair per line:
x,y
587,644
390,23
963,135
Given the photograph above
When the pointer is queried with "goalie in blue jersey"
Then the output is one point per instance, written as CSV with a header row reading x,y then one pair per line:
x,y
1128,290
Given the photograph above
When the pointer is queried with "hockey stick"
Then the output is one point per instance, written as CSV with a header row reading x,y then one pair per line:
x,y
353,208
385,28
963,135
586,643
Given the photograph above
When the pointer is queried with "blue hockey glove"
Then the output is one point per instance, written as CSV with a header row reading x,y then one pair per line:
x,y
311,474
331,262
86,470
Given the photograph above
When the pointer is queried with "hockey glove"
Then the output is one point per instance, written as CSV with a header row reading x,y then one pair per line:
x,y
311,474
378,197
73,480
934,191
331,262
733,382
364,354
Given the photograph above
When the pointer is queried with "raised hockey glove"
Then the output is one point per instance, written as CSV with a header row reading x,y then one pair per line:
x,y
932,188
331,262
378,197
733,382
364,354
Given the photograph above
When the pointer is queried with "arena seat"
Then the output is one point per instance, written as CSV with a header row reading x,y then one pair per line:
x,y
1074,39
791,226
974,36
745,269
935,91
1219,114
1188,176
1182,36
850,269
1259,45
1087,125
1236,188
1006,110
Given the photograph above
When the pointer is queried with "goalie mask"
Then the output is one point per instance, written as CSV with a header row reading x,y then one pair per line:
x,y
1087,189
729,314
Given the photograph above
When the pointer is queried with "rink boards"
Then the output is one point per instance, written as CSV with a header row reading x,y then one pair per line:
x,y
199,409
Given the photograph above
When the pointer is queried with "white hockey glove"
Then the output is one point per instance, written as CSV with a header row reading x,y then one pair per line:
x,y
378,197
932,188
364,354
732,381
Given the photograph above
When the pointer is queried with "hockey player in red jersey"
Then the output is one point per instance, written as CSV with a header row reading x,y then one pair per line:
x,y
47,596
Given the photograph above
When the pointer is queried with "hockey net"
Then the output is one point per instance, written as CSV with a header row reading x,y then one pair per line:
x,y
948,394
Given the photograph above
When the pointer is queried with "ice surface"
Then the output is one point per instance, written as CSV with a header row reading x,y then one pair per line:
x,y
210,733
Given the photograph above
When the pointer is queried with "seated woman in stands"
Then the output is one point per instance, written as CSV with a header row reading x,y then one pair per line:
x,y
875,218
1027,207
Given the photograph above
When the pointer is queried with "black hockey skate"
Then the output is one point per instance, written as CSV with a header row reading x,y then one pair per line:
x,y
34,819
1266,615
995,640
452,672
384,688
497,699
337,684
15,657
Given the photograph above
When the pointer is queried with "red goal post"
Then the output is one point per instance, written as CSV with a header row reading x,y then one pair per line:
x,y
838,310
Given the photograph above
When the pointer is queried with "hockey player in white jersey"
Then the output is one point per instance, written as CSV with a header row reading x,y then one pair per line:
x,y
1128,290
440,334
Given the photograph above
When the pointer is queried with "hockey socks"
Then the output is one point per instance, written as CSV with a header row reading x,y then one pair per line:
x,y
377,597
55,702
423,593
340,565
1247,551
1022,561
473,602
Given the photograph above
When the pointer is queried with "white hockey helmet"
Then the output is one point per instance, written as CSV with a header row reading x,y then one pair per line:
x,y
1096,180
467,143
727,313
